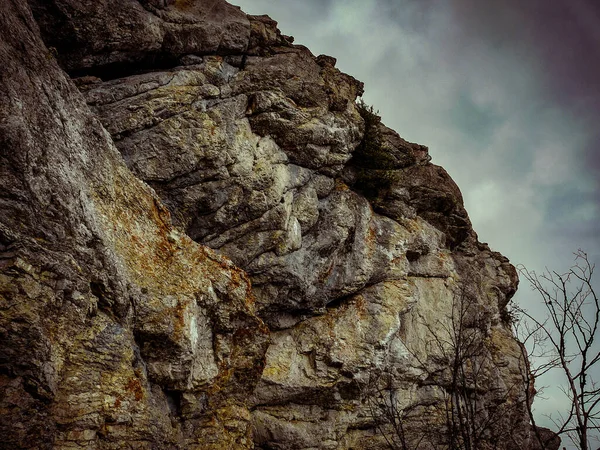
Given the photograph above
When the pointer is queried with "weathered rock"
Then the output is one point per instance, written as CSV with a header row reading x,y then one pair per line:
x,y
251,171
117,329
191,134
549,439
118,36
400,182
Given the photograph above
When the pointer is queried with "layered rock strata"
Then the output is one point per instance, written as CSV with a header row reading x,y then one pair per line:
x,y
187,259
116,330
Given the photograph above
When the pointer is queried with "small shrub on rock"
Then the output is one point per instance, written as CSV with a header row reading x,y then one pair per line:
x,y
371,158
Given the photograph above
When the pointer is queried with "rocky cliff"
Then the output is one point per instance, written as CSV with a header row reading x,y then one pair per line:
x,y
191,257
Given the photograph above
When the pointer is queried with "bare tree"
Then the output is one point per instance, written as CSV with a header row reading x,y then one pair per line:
x,y
391,420
545,439
564,338
471,423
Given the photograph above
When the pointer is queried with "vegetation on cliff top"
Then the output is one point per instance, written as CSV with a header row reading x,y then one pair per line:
x,y
372,160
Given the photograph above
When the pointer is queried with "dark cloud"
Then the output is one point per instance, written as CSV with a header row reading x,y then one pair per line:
x,y
473,118
591,160
558,42
573,217
414,15
305,13
562,36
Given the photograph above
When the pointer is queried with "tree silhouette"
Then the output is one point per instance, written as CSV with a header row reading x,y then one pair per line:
x,y
565,339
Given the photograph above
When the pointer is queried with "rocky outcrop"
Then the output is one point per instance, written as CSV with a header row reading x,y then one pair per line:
x,y
187,259
116,330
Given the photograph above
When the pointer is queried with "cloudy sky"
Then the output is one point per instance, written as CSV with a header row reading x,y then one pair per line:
x,y
506,94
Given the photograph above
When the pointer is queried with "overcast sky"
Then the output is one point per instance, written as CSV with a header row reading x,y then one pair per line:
x,y
506,95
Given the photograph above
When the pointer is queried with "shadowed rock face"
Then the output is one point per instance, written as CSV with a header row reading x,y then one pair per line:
x,y
182,121
116,34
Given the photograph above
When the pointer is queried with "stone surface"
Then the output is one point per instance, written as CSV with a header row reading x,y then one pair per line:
x,y
550,440
115,329
113,35
182,121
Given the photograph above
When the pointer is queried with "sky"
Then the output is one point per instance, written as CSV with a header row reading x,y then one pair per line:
x,y
506,95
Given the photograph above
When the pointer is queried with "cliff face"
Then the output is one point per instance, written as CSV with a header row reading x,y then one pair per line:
x,y
188,259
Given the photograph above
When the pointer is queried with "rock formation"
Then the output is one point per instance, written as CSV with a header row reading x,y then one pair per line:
x,y
188,260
